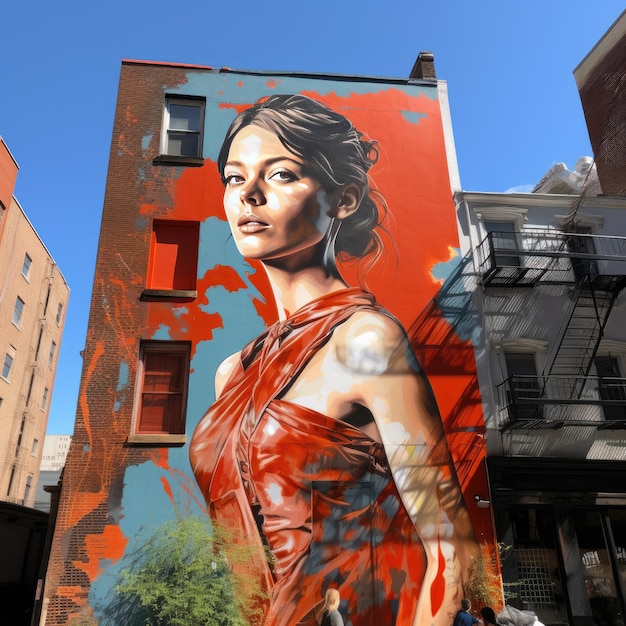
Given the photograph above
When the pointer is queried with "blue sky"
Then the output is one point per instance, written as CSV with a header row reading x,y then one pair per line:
x,y
508,64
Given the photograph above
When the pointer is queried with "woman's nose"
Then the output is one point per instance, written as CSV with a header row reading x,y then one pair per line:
x,y
251,193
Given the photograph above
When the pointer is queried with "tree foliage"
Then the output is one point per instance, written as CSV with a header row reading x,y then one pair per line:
x,y
184,574
484,584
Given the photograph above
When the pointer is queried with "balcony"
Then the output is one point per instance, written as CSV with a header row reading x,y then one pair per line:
x,y
552,402
525,258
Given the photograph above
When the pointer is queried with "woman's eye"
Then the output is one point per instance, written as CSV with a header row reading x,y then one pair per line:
x,y
232,179
283,175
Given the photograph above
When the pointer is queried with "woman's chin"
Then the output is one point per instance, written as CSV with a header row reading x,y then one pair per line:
x,y
252,255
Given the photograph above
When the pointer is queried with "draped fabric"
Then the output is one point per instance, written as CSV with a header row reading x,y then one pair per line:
x,y
314,493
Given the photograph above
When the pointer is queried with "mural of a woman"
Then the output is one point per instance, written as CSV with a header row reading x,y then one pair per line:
x,y
324,448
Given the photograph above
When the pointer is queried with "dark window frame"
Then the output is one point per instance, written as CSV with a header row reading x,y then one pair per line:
x,y
193,158
155,355
26,265
610,387
7,366
18,311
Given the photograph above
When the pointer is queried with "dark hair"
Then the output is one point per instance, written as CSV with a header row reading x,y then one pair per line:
x,y
335,153
488,614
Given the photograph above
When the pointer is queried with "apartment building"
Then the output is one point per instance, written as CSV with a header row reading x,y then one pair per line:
x,y
173,298
548,274
33,304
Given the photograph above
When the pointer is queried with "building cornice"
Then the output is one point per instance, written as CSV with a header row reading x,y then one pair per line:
x,y
609,40
424,82
556,201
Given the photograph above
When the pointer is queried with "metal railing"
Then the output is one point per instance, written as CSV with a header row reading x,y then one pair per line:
x,y
526,257
561,400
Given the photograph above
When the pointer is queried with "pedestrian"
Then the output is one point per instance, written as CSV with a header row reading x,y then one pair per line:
x,y
489,616
463,617
331,616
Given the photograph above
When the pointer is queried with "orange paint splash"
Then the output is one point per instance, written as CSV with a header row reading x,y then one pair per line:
x,y
110,546
168,490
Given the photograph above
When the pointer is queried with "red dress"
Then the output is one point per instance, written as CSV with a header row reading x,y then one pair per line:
x,y
316,492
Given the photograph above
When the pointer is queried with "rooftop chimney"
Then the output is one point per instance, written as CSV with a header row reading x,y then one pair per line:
x,y
424,66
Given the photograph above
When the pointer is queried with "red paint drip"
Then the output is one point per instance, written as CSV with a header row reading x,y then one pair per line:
x,y
438,588
168,489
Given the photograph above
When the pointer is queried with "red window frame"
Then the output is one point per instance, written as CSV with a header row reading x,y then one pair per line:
x,y
164,383
173,255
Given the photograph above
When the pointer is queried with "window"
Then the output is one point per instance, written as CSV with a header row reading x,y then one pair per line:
x,y
45,306
173,259
30,387
182,125
524,385
531,557
17,311
503,238
59,313
38,342
53,349
612,387
19,437
26,266
34,447
11,478
6,368
164,370
44,399
29,480
579,243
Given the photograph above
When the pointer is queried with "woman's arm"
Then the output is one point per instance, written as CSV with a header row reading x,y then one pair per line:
x,y
225,370
388,381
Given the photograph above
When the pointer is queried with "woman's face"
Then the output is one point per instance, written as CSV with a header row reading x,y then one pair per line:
x,y
275,209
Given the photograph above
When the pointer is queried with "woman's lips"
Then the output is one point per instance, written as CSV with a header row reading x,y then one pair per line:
x,y
250,224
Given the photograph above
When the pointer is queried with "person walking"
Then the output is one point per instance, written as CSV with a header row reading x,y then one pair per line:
x,y
463,617
489,616
331,616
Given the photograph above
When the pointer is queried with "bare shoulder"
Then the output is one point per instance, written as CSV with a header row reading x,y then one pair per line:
x,y
373,326
225,370
372,342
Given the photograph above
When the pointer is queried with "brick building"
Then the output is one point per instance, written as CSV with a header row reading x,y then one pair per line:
x,y
601,82
514,304
172,298
33,304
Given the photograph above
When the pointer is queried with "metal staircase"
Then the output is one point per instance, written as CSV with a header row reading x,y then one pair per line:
x,y
591,303
590,270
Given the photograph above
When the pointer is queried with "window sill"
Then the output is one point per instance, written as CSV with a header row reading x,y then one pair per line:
x,y
167,159
618,424
151,295
156,439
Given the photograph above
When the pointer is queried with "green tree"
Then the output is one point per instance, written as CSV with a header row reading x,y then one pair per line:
x,y
183,574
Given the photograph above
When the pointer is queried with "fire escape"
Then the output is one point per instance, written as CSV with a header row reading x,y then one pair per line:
x,y
591,270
